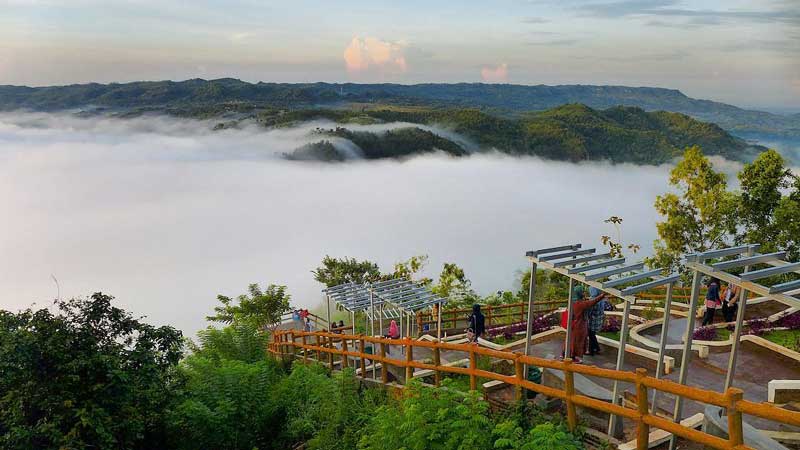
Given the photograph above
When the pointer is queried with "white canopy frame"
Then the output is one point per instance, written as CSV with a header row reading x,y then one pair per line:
x,y
743,256
604,272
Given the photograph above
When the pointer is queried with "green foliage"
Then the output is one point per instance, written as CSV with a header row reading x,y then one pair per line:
x,y
88,376
698,217
336,271
238,342
454,285
327,412
510,436
765,215
259,308
430,419
227,405
407,269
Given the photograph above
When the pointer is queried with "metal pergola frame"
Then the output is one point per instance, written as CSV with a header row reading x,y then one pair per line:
x,y
604,272
397,298
745,257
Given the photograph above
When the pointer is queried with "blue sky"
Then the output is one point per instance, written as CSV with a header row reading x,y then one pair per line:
x,y
742,52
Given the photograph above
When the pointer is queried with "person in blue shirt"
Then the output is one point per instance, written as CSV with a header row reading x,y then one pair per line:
x,y
597,317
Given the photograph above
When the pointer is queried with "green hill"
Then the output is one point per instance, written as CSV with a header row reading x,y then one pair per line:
x,y
571,132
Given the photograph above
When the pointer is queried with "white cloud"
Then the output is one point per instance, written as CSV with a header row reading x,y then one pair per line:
x,y
495,74
371,54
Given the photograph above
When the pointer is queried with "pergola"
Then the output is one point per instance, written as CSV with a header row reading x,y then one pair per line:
x,y
719,264
609,274
397,298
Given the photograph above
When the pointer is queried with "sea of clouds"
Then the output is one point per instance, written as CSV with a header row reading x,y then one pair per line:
x,y
165,214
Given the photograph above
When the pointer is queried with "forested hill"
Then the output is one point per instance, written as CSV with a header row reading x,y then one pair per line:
x,y
504,98
572,132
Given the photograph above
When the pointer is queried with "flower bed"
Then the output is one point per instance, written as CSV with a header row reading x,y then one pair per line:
x,y
506,333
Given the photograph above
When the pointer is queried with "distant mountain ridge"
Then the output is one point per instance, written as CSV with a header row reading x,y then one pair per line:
x,y
503,98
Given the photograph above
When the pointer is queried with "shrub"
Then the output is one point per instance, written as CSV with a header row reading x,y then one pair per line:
x,y
611,325
510,436
430,418
791,321
705,334
227,405
758,326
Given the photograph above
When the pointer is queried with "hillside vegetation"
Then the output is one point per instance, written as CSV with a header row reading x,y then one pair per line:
x,y
571,132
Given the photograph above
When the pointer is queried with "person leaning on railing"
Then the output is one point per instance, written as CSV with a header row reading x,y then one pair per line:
x,y
477,324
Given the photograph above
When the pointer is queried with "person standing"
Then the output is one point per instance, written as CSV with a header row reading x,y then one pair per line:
x,y
477,323
730,302
597,317
580,325
712,301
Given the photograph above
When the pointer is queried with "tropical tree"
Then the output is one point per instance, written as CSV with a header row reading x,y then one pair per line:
x,y
88,375
697,216
258,308
336,271
764,214
409,268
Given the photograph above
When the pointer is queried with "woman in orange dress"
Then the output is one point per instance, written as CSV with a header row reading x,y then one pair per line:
x,y
580,325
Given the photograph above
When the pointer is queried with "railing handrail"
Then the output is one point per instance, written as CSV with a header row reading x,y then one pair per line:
x,y
284,343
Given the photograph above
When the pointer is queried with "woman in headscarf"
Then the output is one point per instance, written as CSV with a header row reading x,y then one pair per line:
x,y
580,322
394,332
477,323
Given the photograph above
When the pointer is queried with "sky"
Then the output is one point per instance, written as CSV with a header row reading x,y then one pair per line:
x,y
742,52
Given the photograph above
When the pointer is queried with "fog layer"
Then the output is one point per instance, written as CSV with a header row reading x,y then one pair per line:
x,y
165,214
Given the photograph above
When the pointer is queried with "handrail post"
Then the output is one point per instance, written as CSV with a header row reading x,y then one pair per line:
x,y
735,434
473,364
384,368
569,388
319,350
363,361
330,346
344,353
291,345
305,350
520,374
642,428
409,358
437,361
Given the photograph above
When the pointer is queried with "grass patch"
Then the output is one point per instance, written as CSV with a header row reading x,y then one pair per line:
x,y
785,338
614,335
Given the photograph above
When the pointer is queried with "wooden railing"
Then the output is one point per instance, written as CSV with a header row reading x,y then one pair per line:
x,y
495,314
285,344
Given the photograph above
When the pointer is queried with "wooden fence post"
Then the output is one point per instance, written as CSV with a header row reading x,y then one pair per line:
x,y
735,434
473,364
642,429
384,368
330,346
437,361
518,371
292,348
344,354
305,351
319,352
363,362
409,358
569,388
